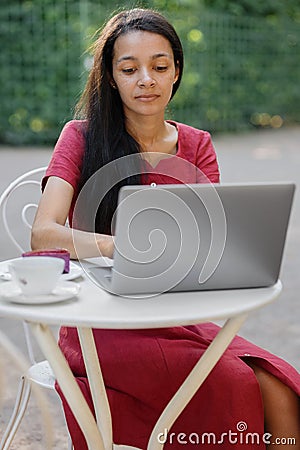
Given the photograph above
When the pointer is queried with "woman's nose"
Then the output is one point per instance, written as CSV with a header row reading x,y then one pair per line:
x,y
146,80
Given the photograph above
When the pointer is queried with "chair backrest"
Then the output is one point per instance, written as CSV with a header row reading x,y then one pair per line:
x,y
18,204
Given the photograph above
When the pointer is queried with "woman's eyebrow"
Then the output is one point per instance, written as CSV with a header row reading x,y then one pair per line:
x,y
160,55
126,58
133,58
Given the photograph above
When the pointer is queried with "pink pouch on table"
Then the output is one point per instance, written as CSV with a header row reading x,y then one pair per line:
x,y
55,252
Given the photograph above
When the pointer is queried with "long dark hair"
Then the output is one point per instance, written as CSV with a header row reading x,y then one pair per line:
x,y
105,134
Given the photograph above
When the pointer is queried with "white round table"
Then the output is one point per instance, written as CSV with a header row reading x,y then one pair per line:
x,y
95,308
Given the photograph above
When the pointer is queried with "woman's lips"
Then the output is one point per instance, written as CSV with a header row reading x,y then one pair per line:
x,y
147,97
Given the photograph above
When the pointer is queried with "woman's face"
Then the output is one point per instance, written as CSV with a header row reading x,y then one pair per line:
x,y
144,72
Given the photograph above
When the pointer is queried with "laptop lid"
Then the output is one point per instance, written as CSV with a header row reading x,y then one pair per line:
x,y
198,237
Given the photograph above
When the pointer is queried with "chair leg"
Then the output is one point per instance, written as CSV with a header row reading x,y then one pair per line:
x,y
18,413
70,444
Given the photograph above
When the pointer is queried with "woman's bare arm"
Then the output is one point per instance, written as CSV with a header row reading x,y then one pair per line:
x,y
49,230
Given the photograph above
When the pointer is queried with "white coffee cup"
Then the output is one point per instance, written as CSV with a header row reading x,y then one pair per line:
x,y
38,275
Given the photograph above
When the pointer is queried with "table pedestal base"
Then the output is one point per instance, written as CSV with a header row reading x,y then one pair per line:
x,y
98,433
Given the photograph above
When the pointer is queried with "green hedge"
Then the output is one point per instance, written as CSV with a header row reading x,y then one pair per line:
x,y
240,72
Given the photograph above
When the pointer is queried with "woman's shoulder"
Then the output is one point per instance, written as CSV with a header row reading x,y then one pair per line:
x,y
191,138
185,130
75,125
196,146
72,137
67,157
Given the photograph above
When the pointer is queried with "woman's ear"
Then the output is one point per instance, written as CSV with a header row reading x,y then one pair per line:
x,y
112,82
177,71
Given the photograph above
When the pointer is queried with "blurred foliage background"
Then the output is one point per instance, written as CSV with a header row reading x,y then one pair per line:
x,y
242,64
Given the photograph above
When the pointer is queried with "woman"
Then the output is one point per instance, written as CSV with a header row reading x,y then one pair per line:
x,y
138,64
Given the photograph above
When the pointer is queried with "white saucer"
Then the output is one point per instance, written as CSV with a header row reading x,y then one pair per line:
x,y
65,290
75,272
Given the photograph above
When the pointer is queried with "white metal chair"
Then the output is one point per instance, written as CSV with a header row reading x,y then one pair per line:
x,y
39,372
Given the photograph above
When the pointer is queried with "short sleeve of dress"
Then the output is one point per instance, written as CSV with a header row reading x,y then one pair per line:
x,y
206,159
67,156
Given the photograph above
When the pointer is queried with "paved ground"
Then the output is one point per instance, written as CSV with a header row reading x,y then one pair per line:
x,y
269,155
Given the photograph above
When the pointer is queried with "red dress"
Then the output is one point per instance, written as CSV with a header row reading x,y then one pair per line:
x,y
142,369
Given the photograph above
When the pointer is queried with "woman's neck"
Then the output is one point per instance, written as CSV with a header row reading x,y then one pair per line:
x,y
153,135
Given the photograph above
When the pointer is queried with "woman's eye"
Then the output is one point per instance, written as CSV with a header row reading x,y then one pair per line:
x,y
129,70
161,68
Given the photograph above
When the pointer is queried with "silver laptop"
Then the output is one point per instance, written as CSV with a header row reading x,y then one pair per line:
x,y
197,237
